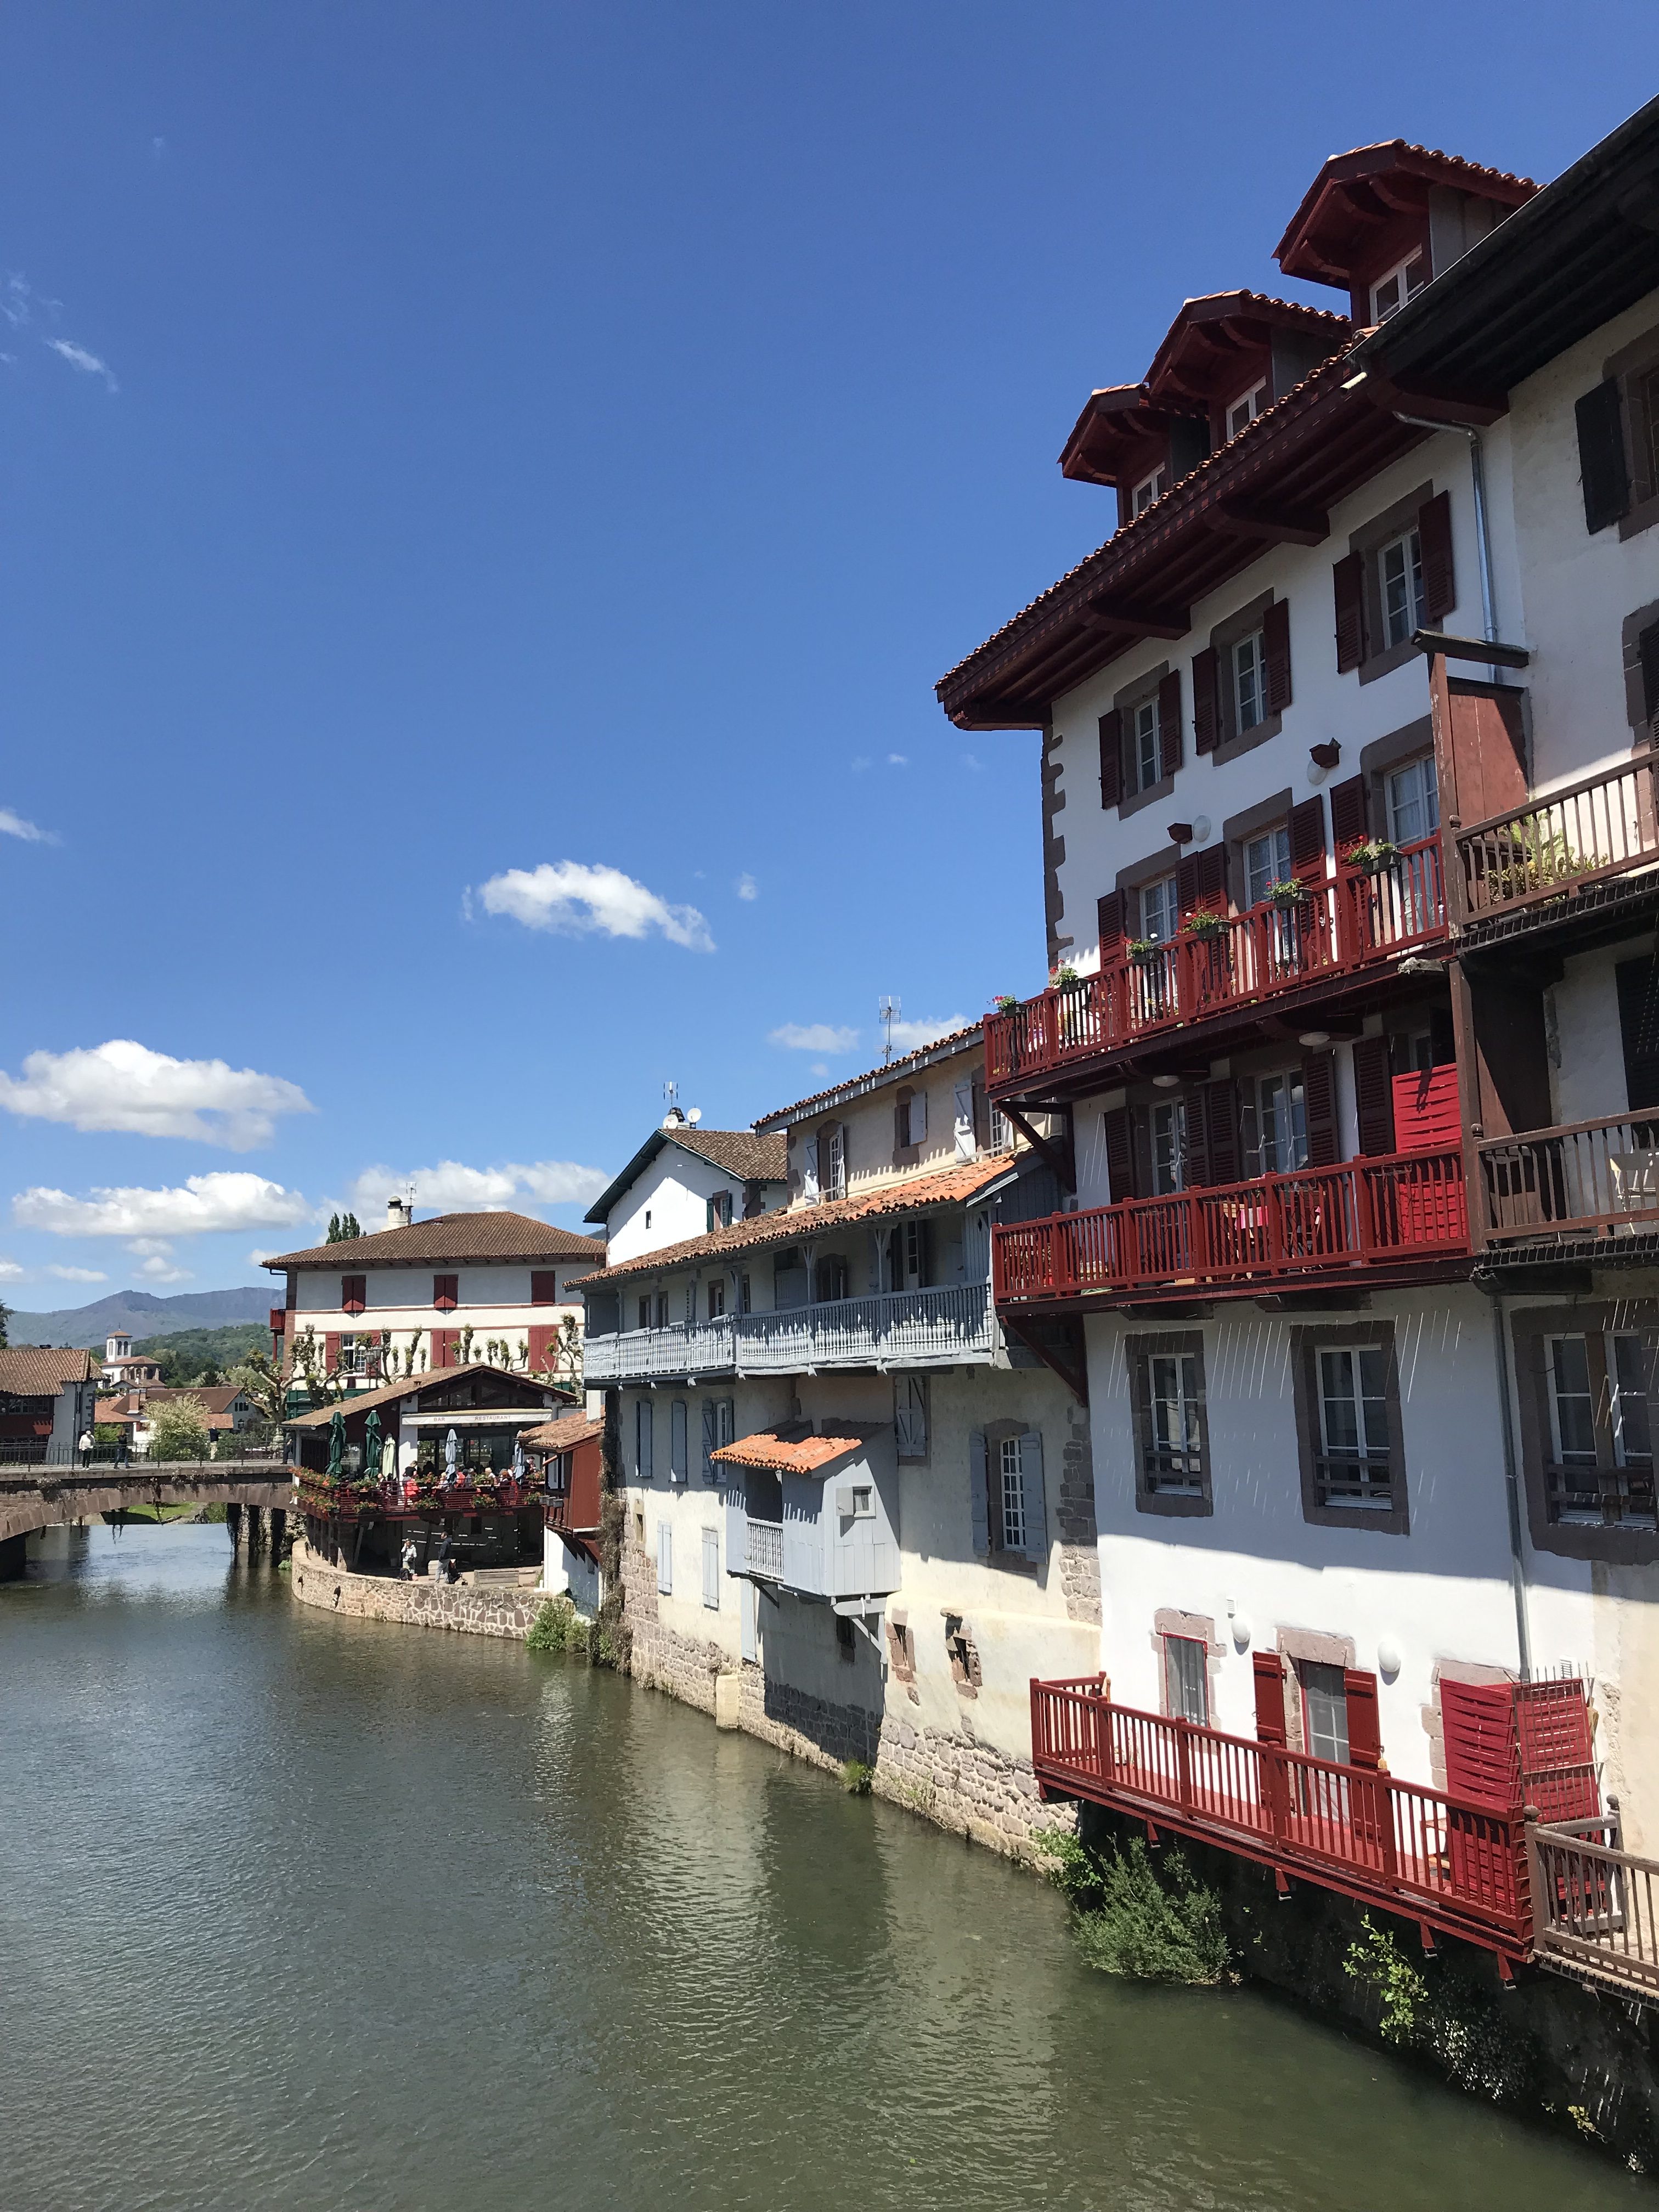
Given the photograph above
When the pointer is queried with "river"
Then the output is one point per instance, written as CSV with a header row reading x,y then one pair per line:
x,y
309,1913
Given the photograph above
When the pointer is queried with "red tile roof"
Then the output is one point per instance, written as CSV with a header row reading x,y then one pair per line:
x,y
739,1153
449,1240
389,1392
564,1434
907,1062
1389,157
791,1455
36,1370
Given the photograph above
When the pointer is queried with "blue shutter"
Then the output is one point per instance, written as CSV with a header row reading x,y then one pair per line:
x,y
1031,1483
981,1500
711,1569
710,1438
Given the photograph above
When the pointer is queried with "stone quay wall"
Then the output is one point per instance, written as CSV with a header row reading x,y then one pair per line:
x,y
481,1610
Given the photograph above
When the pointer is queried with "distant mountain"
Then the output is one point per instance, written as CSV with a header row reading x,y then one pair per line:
x,y
142,1314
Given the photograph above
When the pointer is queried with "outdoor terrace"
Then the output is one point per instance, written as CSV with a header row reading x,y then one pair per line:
x,y
940,1328
1529,871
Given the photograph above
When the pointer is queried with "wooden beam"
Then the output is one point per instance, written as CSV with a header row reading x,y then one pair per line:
x,y
1437,404
1070,1365
1438,643
1060,1157
1146,622
1274,524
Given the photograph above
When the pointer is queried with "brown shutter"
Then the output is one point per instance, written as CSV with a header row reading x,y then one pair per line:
x,y
1187,883
1558,1751
1307,841
1221,1113
1435,537
1373,1091
1196,1165
1269,1671
1111,758
544,1286
1206,725
1140,1151
1349,826
1212,893
1365,1727
1111,928
1348,583
1647,648
1478,1726
1276,646
1119,1167
1319,1095
1601,464
330,1353
1169,723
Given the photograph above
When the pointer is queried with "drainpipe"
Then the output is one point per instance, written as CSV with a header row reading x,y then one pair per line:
x,y
1482,520
1512,1481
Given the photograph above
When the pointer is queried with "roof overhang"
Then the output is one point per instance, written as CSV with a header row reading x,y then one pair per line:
x,y
1357,196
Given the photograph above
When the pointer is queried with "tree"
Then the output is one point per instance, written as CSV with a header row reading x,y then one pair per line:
x,y
342,1228
264,1386
179,1430
5,1315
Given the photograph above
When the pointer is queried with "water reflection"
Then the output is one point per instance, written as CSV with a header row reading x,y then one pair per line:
x,y
304,1912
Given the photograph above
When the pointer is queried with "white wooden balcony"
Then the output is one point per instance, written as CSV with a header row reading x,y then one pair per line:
x,y
946,1328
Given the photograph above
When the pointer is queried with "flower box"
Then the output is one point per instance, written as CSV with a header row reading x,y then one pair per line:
x,y
1287,894
1375,858
1204,924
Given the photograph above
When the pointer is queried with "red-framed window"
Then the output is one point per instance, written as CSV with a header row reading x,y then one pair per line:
x,y
445,1292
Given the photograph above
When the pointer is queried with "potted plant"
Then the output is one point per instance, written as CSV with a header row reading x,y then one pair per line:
x,y
1203,923
1005,1003
1059,977
1287,892
1374,856
1144,950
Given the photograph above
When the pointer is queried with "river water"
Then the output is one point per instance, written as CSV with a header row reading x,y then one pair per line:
x,y
309,1913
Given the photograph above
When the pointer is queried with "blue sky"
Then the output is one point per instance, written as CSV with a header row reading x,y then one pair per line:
x,y
485,495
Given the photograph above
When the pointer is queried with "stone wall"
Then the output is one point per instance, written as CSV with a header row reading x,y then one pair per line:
x,y
486,1610
970,1788
1074,1520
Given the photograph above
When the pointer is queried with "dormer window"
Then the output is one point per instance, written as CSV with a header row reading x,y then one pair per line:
x,y
1404,281
1245,409
1149,489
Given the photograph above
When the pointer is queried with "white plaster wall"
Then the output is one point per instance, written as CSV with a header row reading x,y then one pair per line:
x,y
674,1189
1587,1079
571,1574
402,1293
869,1122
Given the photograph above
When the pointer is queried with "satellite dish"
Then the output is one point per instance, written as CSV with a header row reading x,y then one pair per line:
x,y
693,1115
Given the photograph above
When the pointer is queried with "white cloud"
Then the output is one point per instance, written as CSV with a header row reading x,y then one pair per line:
x,y
10,1271
569,896
860,761
149,1247
202,1203
14,825
747,888
910,1036
898,760
79,1274
812,1037
163,1271
820,1067
87,364
452,1187
257,1257
124,1086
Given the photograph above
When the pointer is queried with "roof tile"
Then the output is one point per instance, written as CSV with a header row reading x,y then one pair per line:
x,y
448,1240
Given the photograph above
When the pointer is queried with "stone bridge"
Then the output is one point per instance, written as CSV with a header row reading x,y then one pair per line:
x,y
44,1497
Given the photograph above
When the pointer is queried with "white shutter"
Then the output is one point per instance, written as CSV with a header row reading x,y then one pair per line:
x,y
978,1495
964,1095
665,1560
711,1569
642,1439
1031,1483
809,1171
678,1464
749,1626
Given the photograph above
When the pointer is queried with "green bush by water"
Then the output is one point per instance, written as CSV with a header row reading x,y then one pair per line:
x,y
1154,1921
551,1629
1449,2019
856,1776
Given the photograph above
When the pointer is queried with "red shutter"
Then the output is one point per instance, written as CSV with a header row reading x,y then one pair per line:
x,y
1111,928
1427,1115
1111,758
1276,646
1212,893
1319,1094
1119,1171
1207,725
1434,535
544,1335
1348,823
1187,883
445,1292
1557,1752
1478,1721
1373,1092
1348,584
353,1293
1169,723
544,1286
1365,1729
330,1353
1307,841
1269,1670
1221,1113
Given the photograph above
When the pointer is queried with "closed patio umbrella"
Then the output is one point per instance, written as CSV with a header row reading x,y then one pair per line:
x,y
372,1445
450,1449
336,1442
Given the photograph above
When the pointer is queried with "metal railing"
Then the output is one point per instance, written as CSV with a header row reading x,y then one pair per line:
x,y
1599,1177
1351,1828
764,1550
1593,1903
1345,923
1606,823
1314,1221
937,1327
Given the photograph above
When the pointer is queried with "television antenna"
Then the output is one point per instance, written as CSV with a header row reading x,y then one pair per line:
x,y
887,1014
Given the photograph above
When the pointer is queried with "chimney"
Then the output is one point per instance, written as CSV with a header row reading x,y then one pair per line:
x,y
399,1213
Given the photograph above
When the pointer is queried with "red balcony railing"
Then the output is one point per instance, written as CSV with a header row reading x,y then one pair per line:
x,y
1455,1863
1583,1178
1319,1220
344,1500
1344,924
1606,823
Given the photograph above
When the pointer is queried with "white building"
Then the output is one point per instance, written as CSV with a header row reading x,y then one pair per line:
x,y
686,1180
124,1367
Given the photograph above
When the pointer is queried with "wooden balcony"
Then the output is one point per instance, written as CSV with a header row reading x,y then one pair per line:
x,y
1596,1915
1535,863
946,1326
1596,1180
1450,1862
1347,925
1382,1215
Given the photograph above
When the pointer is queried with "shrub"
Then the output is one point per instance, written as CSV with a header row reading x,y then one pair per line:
x,y
179,1430
551,1629
856,1776
1157,1923
1449,2020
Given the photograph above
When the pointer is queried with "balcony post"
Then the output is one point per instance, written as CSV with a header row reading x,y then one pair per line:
x,y
1469,1114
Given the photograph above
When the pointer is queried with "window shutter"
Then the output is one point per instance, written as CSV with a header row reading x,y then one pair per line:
x,y
1195,1149
1435,536
962,1097
1319,1092
710,1443
1118,1156
1558,1751
330,1353
1349,825
1365,1727
1221,1116
1269,1671
918,1117
642,1439
1213,878
1478,1725
809,1173
1276,647
1373,1091
1169,723
1207,724
1602,462
445,1292
1110,924
1348,585
665,1560
1187,883
1307,841
543,1338
678,1465
544,1286
1111,758
979,1494
749,1624
711,1569
1031,1483
1647,647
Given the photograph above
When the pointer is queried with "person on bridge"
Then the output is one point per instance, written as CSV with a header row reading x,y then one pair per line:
x,y
86,1447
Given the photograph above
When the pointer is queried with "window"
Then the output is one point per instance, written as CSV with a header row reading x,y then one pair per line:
x,y
1403,281
1276,1123
1172,1455
1149,489
647,1217
909,1119
1160,910
742,1293
1601,1469
829,1282
832,1162
719,1428
1011,1500
645,1313
1143,762
1324,1711
1168,1134
445,1292
642,1439
1010,1512
857,1502
1399,568
910,1416
719,1211
1248,661
1266,861
1245,409
354,1293
360,1355
1186,1681
1355,1461
845,1646
544,1286
1413,797
711,1569
662,1309
679,1468
1002,1131
716,1298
